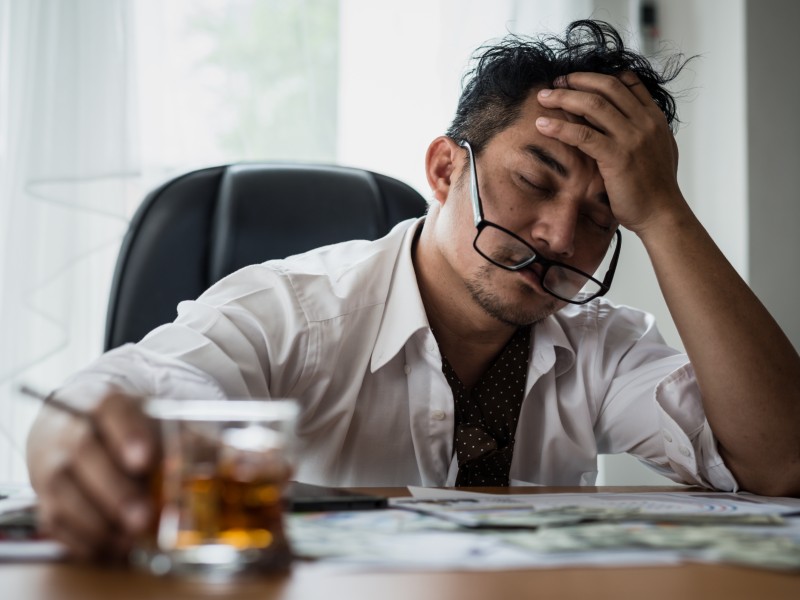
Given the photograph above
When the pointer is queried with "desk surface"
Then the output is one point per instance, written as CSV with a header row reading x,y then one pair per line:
x,y
65,581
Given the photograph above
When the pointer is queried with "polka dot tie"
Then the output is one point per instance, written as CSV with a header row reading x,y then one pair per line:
x,y
487,415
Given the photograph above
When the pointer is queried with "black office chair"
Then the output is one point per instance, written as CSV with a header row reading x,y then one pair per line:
x,y
201,226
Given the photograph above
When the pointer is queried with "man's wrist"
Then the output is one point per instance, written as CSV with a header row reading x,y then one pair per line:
x,y
666,222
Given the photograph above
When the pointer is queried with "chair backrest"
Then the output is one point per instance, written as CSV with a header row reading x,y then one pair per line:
x,y
195,229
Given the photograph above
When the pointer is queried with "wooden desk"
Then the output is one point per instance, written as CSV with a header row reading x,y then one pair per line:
x,y
83,582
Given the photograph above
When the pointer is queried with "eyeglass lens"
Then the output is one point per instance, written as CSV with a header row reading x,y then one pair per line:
x,y
506,250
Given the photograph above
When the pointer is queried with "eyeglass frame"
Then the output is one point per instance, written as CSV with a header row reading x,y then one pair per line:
x,y
482,223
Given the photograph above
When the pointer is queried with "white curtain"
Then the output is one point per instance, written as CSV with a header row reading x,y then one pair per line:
x,y
67,180
101,99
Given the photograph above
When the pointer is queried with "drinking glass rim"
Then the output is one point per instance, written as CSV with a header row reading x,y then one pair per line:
x,y
226,411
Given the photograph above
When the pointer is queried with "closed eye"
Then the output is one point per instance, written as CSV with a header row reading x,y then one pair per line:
x,y
540,189
599,223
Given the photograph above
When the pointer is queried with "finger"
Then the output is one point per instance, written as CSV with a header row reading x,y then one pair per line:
x,y
594,108
77,546
638,89
68,514
79,549
120,498
609,86
127,431
634,84
587,139
120,548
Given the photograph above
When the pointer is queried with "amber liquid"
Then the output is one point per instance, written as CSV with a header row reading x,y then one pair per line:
x,y
242,514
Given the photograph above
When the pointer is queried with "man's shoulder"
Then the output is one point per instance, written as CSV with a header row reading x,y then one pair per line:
x,y
602,315
336,261
328,281
601,334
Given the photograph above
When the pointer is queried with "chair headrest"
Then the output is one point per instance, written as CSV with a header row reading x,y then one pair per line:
x,y
195,229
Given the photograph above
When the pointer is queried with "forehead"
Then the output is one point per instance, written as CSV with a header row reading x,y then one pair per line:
x,y
523,133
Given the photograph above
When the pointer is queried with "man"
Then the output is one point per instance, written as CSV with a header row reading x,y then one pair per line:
x,y
472,347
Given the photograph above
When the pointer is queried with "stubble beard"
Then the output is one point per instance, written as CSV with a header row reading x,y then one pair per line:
x,y
484,294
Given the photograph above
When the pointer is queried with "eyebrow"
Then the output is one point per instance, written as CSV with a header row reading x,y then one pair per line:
x,y
551,162
547,159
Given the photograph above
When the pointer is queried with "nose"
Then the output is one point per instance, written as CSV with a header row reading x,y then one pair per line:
x,y
553,231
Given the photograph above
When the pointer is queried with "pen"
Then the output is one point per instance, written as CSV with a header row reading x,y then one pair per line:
x,y
51,400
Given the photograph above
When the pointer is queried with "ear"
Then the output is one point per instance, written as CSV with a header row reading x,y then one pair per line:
x,y
441,161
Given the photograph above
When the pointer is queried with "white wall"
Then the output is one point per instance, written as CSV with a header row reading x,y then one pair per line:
x,y
773,158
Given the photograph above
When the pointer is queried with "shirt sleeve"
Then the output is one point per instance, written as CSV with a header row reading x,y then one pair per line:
x,y
649,402
138,371
248,333
243,338
689,443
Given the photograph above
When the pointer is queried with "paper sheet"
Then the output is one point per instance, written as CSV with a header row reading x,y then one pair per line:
x,y
470,509
20,542
697,503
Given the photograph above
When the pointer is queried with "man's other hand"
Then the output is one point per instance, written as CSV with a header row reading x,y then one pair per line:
x,y
91,472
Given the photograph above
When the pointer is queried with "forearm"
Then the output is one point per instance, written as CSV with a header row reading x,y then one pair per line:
x,y
746,368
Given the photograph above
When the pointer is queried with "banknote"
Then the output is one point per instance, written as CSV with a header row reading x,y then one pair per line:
x,y
775,549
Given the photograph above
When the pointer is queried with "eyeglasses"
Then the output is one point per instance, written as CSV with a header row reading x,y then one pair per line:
x,y
508,251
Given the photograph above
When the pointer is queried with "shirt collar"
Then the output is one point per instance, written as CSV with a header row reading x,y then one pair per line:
x,y
404,313
551,348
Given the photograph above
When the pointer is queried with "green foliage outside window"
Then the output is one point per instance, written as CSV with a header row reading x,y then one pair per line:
x,y
276,76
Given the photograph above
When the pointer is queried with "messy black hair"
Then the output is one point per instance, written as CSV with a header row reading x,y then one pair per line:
x,y
505,73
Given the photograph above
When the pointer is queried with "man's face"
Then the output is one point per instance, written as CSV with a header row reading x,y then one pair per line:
x,y
549,194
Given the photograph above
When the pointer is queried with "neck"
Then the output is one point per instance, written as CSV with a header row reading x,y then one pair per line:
x,y
469,337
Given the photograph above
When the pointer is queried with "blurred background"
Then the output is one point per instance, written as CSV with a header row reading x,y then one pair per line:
x,y
101,100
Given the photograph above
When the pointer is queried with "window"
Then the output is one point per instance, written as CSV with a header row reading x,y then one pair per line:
x,y
102,100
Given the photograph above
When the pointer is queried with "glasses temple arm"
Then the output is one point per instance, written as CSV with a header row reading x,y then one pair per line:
x,y
612,268
477,211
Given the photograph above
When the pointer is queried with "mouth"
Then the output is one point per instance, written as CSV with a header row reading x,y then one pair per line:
x,y
532,276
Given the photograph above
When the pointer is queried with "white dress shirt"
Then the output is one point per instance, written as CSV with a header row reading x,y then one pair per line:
x,y
343,330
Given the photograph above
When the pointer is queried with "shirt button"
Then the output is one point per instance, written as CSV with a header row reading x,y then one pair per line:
x,y
667,435
685,451
437,415
407,369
